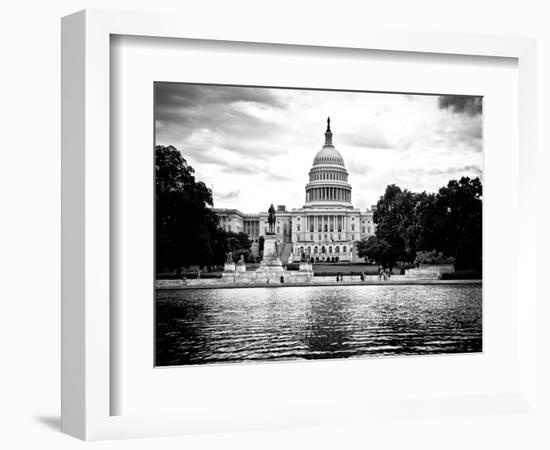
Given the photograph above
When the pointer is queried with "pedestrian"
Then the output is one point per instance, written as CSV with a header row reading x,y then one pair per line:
x,y
379,273
337,277
198,273
282,279
389,274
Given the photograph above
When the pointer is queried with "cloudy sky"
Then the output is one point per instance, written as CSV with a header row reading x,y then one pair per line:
x,y
255,146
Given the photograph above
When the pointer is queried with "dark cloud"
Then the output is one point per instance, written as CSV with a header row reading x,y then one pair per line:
x,y
465,132
461,104
220,115
184,95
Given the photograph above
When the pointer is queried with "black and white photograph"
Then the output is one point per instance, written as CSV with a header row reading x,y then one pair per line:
x,y
296,224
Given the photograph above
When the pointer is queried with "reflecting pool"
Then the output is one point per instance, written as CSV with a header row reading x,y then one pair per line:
x,y
199,326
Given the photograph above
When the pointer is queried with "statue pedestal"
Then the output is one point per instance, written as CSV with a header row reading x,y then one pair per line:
x,y
229,267
271,267
241,267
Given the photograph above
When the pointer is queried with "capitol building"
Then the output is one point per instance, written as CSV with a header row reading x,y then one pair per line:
x,y
326,228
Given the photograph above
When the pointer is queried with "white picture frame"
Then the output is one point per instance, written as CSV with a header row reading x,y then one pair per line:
x,y
86,216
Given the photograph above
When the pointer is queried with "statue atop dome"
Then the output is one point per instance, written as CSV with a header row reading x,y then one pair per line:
x,y
328,134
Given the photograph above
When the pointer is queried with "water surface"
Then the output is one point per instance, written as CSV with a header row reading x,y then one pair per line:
x,y
202,326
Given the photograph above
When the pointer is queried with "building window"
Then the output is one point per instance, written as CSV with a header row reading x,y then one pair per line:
x,y
278,230
337,249
363,229
330,249
315,249
368,230
344,249
311,237
298,227
352,227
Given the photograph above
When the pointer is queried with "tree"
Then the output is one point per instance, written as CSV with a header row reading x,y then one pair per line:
x,y
449,222
432,257
460,227
238,244
394,217
186,228
378,250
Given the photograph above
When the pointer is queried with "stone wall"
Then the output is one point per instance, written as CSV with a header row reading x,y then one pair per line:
x,y
429,272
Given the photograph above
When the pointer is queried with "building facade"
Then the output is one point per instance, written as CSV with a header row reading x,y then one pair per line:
x,y
326,228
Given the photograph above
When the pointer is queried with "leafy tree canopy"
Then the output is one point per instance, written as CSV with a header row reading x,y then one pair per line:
x,y
449,222
379,250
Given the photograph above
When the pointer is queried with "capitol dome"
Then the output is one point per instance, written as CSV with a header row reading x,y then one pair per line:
x,y
328,155
328,178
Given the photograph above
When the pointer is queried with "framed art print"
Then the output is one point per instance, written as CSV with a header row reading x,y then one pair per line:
x,y
271,230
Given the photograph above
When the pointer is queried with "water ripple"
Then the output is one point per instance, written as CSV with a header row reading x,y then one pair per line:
x,y
216,325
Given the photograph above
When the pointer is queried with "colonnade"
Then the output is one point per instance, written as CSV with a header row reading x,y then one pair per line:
x,y
326,223
328,194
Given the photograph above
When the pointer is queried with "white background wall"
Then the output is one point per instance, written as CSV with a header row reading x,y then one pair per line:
x,y
30,187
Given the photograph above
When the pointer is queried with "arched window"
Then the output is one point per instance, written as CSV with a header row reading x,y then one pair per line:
x,y
323,249
309,250
301,250
337,249
315,249
330,249
344,249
